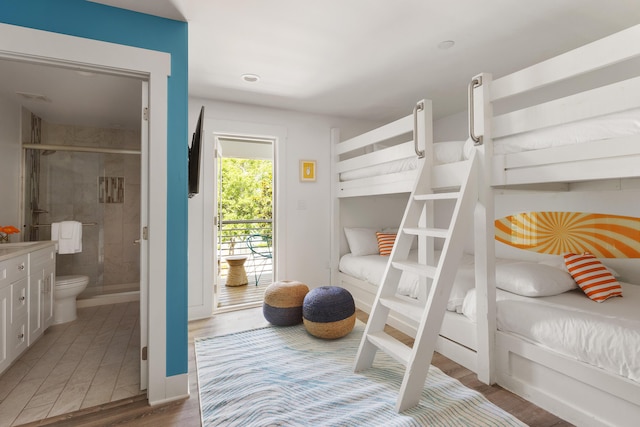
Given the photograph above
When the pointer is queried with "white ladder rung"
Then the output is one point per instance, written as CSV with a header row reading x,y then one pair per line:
x,y
429,232
394,348
427,315
416,268
436,196
406,308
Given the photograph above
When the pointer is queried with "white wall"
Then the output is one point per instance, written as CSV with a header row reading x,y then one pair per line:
x,y
451,128
10,164
302,209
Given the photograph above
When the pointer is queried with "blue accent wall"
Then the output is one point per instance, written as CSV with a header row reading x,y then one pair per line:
x,y
99,22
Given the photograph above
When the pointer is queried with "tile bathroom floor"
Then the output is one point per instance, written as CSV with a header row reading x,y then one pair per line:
x,y
87,362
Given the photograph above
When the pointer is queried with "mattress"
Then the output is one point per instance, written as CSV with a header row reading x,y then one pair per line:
x,y
445,152
606,335
370,268
605,127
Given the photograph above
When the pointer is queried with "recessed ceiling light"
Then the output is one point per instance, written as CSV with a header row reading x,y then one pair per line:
x,y
250,78
446,44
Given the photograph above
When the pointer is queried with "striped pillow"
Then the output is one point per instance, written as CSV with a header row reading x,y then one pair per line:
x,y
385,242
592,276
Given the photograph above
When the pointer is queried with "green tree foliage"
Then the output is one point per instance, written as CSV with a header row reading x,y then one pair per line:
x,y
246,189
246,194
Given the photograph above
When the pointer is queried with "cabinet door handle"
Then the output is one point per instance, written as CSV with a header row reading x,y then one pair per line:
x,y
21,299
21,267
20,336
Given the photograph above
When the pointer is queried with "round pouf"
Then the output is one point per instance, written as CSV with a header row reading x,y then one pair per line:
x,y
283,302
329,312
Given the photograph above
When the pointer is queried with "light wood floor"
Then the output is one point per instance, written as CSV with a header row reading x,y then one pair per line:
x,y
136,412
230,297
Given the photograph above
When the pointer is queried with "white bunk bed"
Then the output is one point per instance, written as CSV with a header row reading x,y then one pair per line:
x,y
560,382
374,174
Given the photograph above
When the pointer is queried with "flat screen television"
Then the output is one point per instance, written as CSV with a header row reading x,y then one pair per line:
x,y
194,156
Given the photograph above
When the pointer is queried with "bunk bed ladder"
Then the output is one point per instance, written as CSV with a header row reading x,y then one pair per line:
x,y
426,315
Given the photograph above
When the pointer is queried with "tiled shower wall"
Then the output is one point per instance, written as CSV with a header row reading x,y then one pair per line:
x,y
69,190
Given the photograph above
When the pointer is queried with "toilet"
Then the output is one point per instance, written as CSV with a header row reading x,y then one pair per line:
x,y
64,297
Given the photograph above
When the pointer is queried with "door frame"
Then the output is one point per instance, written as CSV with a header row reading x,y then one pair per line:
x,y
272,140
47,48
204,242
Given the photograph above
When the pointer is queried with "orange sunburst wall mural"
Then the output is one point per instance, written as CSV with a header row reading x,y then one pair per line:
x,y
605,236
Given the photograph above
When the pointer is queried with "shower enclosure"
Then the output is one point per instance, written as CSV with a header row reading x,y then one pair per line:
x,y
89,175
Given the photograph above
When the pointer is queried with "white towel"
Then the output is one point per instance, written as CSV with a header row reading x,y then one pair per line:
x,y
68,234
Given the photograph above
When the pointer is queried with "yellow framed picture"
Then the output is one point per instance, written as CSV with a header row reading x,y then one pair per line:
x,y
307,170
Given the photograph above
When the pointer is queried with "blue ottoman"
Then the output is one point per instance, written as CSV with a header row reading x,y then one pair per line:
x,y
329,312
283,302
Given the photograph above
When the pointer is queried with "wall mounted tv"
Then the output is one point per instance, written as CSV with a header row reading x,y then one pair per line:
x,y
194,156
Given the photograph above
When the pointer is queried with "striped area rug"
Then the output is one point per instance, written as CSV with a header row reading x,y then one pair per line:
x,y
282,376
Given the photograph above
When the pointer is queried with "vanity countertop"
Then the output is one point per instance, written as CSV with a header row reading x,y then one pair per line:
x,y
8,250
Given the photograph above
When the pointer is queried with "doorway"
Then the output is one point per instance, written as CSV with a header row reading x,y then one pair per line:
x,y
245,220
64,165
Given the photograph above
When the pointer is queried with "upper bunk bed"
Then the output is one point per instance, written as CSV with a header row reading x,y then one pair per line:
x,y
386,160
574,117
374,173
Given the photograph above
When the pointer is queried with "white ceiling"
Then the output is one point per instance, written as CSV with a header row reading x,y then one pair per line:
x,y
66,96
373,58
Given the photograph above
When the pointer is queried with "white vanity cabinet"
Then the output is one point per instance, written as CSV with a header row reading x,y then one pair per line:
x,y
42,274
27,279
14,284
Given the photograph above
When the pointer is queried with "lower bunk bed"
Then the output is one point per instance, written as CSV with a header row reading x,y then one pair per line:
x,y
553,343
361,273
572,356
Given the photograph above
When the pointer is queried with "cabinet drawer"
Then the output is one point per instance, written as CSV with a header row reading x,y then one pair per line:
x,y
17,338
13,269
19,300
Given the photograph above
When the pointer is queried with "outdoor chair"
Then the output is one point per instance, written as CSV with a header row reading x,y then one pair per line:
x,y
260,247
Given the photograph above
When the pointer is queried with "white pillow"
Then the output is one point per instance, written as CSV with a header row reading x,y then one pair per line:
x,y
532,279
468,148
558,262
362,241
448,151
464,281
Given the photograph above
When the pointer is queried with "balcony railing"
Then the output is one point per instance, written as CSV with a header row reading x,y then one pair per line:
x,y
232,240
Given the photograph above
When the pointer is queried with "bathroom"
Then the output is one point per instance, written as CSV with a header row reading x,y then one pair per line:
x,y
85,165
90,175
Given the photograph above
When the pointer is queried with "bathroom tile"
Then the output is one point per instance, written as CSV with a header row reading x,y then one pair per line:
x,y
32,414
45,364
90,361
87,136
132,140
125,392
47,394
132,169
61,372
15,402
85,371
114,164
101,387
70,399
132,203
129,375
12,377
114,355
